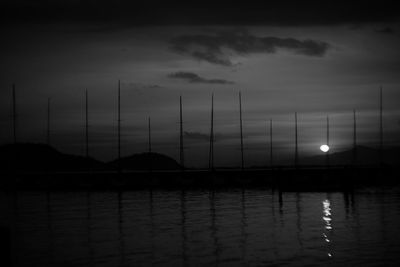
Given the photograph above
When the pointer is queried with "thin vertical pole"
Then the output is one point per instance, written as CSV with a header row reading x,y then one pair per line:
x,y
354,137
182,160
211,152
119,126
150,156
271,161
296,152
48,122
14,114
241,128
327,140
87,122
149,124
381,128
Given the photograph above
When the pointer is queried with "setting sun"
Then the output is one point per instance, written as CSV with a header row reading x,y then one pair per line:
x,y
324,148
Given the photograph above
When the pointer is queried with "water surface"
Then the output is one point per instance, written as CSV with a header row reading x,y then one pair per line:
x,y
203,228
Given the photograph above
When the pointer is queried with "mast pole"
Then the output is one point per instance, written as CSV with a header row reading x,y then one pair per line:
x,y
270,144
87,122
296,152
241,130
182,160
381,127
149,125
211,152
14,114
327,140
354,137
48,122
149,152
119,126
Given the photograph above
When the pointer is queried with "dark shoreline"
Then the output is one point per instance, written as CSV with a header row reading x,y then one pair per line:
x,y
334,178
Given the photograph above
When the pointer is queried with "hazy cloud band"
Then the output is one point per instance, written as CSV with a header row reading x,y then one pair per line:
x,y
194,78
212,47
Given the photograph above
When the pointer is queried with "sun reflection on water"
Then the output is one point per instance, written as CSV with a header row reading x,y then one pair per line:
x,y
327,218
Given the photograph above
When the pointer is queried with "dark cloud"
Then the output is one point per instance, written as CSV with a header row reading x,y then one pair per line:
x,y
225,12
194,78
386,30
142,85
214,47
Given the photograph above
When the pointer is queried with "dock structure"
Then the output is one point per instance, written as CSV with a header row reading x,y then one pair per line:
x,y
289,178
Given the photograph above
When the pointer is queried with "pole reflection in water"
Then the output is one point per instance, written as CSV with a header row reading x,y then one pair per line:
x,y
50,227
243,227
120,229
183,223
346,200
327,218
152,226
89,227
298,221
14,225
202,228
274,225
214,229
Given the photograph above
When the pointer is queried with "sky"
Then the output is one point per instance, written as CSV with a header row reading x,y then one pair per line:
x,y
316,59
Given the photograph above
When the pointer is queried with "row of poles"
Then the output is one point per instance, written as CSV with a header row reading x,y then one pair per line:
x,y
211,165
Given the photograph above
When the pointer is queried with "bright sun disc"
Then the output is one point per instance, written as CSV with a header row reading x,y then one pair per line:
x,y
324,148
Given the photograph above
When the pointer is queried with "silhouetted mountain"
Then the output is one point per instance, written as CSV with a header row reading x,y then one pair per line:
x,y
365,156
146,161
42,157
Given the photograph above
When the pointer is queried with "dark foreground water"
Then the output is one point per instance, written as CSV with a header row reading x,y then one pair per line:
x,y
202,228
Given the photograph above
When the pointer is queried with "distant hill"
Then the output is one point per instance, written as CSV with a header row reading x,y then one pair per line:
x,y
42,157
365,156
146,161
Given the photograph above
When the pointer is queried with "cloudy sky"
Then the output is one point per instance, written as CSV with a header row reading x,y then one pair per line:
x,y
317,59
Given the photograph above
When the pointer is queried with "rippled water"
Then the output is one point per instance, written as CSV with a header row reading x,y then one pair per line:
x,y
203,228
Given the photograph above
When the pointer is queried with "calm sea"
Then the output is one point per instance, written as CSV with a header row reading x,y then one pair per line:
x,y
202,228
